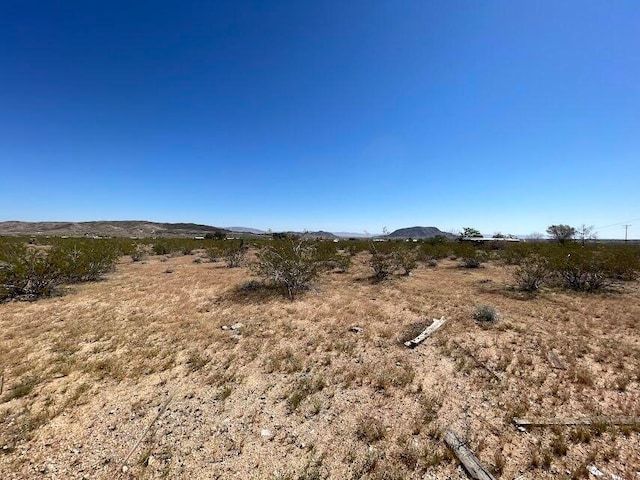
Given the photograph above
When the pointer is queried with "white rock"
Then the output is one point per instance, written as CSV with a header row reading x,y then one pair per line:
x,y
593,470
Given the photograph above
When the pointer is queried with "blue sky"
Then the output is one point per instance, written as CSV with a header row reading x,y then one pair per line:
x,y
501,115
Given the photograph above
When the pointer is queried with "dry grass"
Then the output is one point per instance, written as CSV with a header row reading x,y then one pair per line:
x,y
86,372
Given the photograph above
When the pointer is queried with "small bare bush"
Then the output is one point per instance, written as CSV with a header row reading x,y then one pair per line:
x,y
485,314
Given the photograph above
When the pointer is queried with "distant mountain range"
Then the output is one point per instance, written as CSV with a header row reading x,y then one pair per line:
x,y
245,230
123,228
419,233
141,228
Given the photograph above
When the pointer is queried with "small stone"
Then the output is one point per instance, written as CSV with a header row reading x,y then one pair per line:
x,y
237,326
266,433
125,469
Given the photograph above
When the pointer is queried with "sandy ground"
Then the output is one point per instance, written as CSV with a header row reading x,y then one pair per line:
x,y
296,393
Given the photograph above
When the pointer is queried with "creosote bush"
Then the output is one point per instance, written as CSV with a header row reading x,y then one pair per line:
x,y
407,260
33,271
532,273
472,257
383,261
581,269
27,272
289,264
234,254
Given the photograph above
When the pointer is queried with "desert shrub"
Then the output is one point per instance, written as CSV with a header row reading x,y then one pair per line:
x,y
382,264
289,264
354,246
471,262
516,253
343,262
214,251
161,248
485,314
324,250
84,260
531,273
137,255
172,245
213,254
406,258
234,253
622,262
35,271
471,256
433,251
328,256
26,272
580,269
217,235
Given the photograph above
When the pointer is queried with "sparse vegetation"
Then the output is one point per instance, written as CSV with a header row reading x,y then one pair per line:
x,y
327,376
370,429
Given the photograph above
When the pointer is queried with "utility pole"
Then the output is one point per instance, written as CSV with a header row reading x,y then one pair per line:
x,y
626,227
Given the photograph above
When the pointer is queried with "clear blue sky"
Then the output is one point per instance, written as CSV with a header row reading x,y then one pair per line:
x,y
502,115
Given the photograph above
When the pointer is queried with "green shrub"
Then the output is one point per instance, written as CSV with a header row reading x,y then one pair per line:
x,y
433,251
580,268
532,273
161,248
622,262
84,260
234,253
406,258
35,271
382,263
472,257
26,272
289,264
